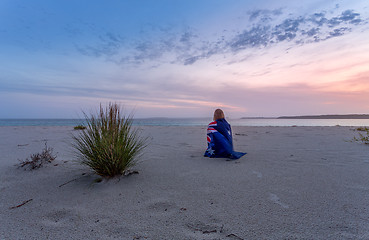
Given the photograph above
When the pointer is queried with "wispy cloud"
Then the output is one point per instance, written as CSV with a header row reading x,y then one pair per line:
x,y
265,28
302,30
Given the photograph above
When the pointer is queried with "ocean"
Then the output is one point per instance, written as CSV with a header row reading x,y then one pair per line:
x,y
195,122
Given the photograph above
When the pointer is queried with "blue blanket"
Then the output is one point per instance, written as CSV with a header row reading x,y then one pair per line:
x,y
219,138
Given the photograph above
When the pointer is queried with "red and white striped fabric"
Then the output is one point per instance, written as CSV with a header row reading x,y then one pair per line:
x,y
211,128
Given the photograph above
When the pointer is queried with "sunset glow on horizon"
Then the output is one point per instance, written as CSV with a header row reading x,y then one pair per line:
x,y
184,58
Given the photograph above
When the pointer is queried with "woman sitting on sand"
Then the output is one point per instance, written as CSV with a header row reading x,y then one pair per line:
x,y
219,138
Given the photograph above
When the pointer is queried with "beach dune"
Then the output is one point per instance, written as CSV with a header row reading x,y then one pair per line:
x,y
294,183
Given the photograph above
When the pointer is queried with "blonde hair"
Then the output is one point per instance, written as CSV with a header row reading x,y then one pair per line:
x,y
218,114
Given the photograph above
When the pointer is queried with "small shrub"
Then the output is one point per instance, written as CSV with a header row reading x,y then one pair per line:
x,y
109,145
362,137
364,129
79,127
37,160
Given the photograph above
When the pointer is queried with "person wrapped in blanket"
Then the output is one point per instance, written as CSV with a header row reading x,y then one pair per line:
x,y
219,138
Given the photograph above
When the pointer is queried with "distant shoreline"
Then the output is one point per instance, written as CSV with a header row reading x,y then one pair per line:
x,y
346,120
345,116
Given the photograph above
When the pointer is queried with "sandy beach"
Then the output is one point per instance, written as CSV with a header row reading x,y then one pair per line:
x,y
294,183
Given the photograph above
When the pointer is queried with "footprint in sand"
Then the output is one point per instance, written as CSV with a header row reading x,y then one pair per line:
x,y
200,230
274,198
160,206
258,174
62,217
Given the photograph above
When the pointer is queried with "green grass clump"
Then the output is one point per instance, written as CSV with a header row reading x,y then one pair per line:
x,y
362,137
79,127
109,145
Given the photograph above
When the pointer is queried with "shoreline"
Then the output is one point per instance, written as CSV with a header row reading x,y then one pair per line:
x,y
295,182
196,122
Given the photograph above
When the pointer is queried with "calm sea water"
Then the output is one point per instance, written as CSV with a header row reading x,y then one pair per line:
x,y
195,122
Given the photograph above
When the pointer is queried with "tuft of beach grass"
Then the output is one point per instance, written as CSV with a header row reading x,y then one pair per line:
x,y
79,127
109,145
363,137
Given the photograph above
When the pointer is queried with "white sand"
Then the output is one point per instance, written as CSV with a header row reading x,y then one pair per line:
x,y
294,183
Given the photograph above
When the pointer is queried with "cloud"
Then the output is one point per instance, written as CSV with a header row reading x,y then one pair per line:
x,y
356,84
258,36
264,14
303,30
108,44
268,28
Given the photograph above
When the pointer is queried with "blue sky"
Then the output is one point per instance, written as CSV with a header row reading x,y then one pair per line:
x,y
183,58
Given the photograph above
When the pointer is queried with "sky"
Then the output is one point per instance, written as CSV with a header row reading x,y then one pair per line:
x,y
184,58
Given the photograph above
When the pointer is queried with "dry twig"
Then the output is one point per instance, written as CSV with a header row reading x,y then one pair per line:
x,y
20,205
38,159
